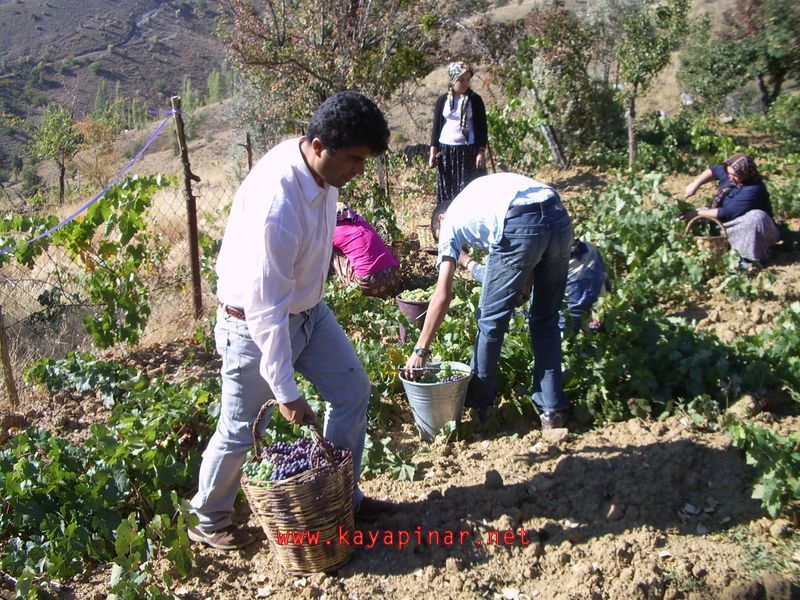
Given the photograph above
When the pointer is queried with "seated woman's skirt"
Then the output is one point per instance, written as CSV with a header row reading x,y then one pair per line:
x,y
753,235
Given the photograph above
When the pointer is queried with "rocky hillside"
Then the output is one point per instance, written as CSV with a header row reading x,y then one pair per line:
x,y
63,51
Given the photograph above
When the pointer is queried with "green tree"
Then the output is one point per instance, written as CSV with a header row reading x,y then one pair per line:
x,y
298,53
100,101
214,87
56,139
553,60
545,62
770,30
648,38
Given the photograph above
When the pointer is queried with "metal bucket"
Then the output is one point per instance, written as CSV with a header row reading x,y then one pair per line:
x,y
434,404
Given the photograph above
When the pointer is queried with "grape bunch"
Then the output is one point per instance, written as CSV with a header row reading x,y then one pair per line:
x,y
283,460
442,374
258,470
418,295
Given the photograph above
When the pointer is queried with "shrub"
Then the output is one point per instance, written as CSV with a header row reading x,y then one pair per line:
x,y
784,120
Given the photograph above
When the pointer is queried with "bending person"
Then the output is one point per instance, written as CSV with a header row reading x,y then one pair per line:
x,y
528,235
586,281
361,257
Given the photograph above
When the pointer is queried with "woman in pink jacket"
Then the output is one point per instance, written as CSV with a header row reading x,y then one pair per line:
x,y
361,257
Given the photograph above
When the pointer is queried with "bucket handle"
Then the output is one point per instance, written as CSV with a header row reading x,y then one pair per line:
x,y
316,433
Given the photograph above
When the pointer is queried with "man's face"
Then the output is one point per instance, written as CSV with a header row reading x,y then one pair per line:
x,y
337,167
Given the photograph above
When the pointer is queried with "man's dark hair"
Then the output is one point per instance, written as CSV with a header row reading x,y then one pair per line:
x,y
439,210
349,119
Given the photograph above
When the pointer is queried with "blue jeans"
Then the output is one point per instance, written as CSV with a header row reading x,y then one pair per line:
x,y
534,244
324,355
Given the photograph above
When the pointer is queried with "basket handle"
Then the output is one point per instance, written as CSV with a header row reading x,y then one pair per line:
x,y
316,432
713,219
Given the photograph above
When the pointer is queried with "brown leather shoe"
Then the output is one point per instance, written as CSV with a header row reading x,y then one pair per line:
x,y
227,538
372,508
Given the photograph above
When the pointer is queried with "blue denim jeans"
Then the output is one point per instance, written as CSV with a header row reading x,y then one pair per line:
x,y
534,244
324,355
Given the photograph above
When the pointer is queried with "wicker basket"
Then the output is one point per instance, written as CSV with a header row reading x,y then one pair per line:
x,y
317,501
717,244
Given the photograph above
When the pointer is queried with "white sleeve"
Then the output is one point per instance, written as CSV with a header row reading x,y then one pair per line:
x,y
266,304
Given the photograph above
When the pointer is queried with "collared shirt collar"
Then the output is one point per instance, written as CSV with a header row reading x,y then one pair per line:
x,y
311,189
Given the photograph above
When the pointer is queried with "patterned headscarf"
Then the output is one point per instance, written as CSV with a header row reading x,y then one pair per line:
x,y
454,71
746,172
345,215
744,167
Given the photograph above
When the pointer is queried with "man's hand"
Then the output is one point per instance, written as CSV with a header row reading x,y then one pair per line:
x,y
414,366
297,411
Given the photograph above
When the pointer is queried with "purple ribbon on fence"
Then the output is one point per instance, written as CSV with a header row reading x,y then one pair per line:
x,y
102,192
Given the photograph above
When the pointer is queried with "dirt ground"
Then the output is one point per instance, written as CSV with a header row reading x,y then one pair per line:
x,y
631,510
635,509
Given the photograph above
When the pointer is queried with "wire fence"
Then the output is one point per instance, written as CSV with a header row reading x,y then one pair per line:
x,y
42,307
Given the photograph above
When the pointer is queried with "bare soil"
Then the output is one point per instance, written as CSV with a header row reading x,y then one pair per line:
x,y
637,509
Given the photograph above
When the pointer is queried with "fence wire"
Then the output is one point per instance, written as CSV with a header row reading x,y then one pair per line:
x,y
43,308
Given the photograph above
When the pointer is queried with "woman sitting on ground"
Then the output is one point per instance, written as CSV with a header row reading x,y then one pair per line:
x,y
361,257
742,205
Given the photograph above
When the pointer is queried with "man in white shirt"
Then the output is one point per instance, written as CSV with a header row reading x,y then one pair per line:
x,y
527,232
271,321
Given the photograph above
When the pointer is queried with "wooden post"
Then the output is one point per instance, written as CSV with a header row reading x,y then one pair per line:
x,y
381,171
5,358
191,208
249,149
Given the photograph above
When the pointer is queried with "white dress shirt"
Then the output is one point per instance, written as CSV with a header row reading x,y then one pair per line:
x,y
275,255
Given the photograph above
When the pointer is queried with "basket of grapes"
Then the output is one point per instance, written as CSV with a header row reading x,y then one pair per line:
x,y
436,395
414,305
302,495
